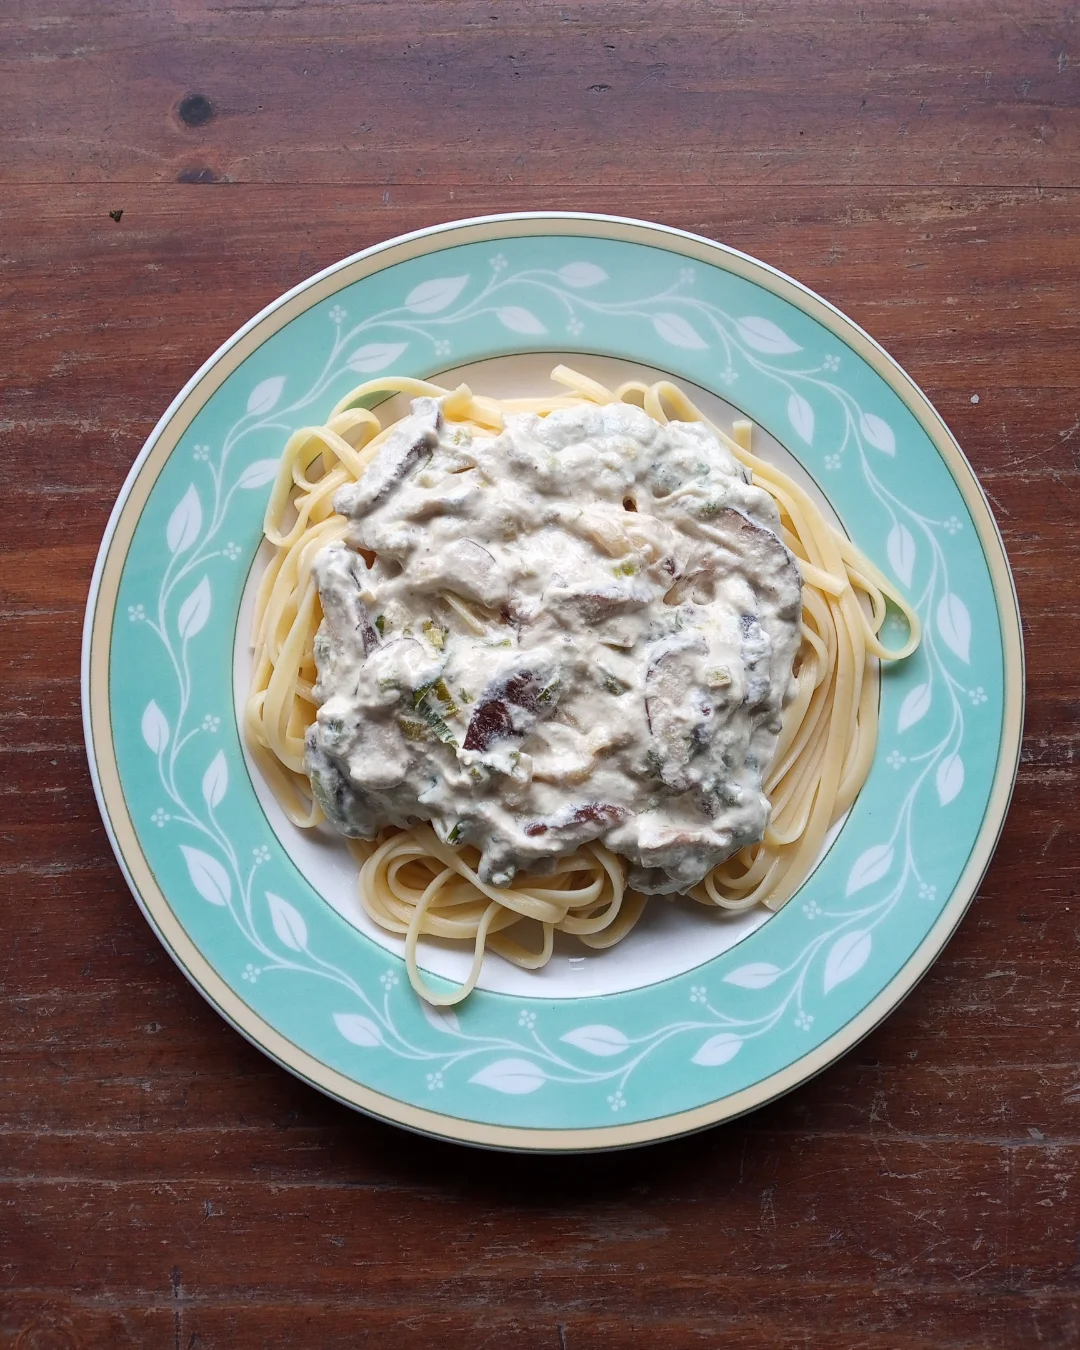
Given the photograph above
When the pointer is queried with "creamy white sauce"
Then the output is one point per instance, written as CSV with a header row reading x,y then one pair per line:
x,y
580,628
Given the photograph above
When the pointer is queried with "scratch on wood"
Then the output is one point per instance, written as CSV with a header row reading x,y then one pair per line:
x,y
178,1312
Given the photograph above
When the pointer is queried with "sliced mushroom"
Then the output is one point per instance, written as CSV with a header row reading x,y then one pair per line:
x,y
409,444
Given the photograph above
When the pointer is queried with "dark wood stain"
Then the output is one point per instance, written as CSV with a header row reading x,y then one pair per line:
x,y
161,1182
195,110
203,175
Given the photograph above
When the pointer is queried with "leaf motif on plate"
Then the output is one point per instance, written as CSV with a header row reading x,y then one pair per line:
x,y
215,781
431,296
264,397
718,1049
515,1077
801,416
914,707
901,550
185,522
765,336
375,356
846,957
260,473
288,923
195,611
950,778
442,1019
155,729
519,320
597,1039
679,332
756,975
581,274
207,875
877,432
358,1029
869,867
954,625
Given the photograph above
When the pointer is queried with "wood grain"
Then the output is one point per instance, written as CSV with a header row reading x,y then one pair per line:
x,y
161,1183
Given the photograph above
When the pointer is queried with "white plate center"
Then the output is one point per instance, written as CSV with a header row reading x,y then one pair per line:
x,y
674,935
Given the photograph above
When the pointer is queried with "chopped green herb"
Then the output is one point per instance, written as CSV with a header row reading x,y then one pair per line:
x,y
435,634
322,794
413,729
438,726
433,717
612,683
465,696
549,691
443,694
629,568
455,834
380,624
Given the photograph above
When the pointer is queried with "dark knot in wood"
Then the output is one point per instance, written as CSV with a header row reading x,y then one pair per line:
x,y
195,110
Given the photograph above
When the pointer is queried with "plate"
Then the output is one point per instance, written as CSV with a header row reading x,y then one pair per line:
x,y
697,1017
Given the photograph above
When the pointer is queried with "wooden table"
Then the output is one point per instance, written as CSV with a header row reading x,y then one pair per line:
x,y
165,1185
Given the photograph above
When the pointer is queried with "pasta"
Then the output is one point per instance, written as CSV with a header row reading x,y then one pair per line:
x,y
413,883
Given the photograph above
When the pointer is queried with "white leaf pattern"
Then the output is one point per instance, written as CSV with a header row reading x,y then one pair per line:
x,y
869,867
765,336
442,1019
512,1076
673,328
519,320
431,296
901,550
155,729
756,975
597,1039
215,781
878,433
359,1029
288,923
263,398
195,611
718,1049
581,274
801,416
207,875
914,707
950,778
954,625
260,473
847,957
375,356
185,522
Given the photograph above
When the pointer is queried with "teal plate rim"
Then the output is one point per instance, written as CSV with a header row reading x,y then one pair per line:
x,y
534,1073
